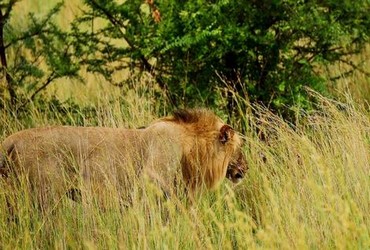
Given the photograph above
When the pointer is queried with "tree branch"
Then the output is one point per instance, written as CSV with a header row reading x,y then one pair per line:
x,y
25,36
51,78
146,66
9,8
9,79
355,67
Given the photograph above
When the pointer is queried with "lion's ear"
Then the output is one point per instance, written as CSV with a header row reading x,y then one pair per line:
x,y
226,133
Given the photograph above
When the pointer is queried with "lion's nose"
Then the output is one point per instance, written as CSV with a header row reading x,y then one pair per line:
x,y
238,176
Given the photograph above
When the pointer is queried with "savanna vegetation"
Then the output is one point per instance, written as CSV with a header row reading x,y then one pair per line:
x,y
292,75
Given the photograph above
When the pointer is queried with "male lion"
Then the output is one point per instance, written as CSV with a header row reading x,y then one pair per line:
x,y
194,143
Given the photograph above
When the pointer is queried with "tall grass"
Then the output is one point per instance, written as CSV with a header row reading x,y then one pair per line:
x,y
307,187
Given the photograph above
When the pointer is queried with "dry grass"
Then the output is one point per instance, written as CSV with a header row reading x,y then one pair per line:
x,y
307,186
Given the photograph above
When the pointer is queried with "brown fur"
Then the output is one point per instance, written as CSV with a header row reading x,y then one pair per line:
x,y
195,143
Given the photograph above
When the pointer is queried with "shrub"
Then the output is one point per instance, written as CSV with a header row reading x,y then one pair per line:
x,y
263,51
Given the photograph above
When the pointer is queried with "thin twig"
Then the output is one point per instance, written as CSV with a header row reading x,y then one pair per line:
x,y
51,77
145,63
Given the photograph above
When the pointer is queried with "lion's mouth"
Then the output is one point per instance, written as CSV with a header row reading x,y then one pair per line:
x,y
234,176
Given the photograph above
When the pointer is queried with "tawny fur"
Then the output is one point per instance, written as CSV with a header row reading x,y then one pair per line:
x,y
194,143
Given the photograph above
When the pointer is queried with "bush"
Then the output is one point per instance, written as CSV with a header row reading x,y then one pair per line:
x,y
263,51
199,52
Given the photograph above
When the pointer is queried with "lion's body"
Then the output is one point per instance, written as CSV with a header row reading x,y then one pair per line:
x,y
58,158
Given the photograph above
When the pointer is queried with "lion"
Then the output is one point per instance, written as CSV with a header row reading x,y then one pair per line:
x,y
192,147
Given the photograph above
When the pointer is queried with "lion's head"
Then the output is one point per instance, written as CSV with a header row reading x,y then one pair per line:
x,y
211,149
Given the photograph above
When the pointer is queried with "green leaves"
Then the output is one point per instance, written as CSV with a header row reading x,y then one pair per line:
x,y
261,51
281,42
41,53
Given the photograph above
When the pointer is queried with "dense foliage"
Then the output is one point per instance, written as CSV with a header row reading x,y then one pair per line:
x,y
261,51
264,51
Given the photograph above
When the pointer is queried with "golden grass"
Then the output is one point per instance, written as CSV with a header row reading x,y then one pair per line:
x,y
307,187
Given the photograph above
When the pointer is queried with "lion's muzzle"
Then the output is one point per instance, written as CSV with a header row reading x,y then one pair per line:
x,y
235,174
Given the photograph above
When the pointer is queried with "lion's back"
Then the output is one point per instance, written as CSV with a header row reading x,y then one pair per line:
x,y
52,150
